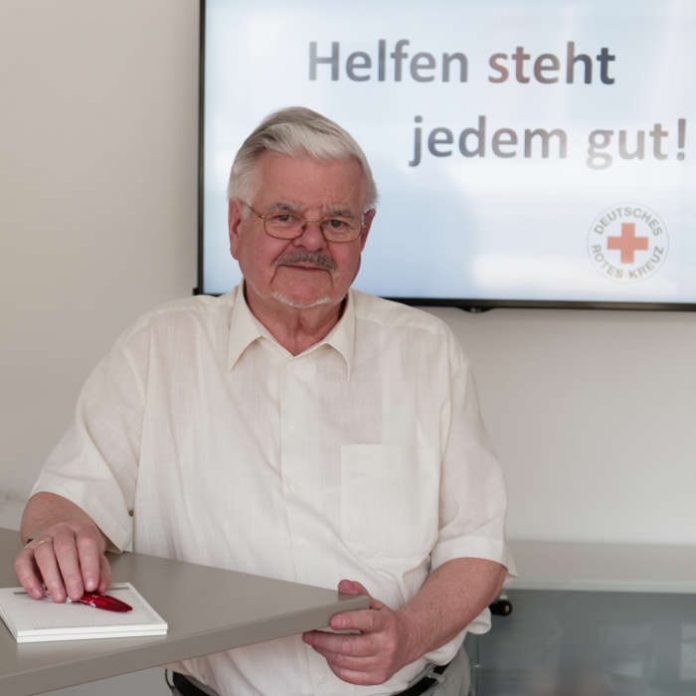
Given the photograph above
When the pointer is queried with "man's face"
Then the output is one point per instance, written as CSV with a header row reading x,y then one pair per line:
x,y
307,271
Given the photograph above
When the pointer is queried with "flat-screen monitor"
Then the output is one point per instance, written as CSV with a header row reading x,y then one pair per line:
x,y
534,153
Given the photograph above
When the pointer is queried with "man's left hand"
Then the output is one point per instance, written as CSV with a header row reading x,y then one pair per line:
x,y
377,642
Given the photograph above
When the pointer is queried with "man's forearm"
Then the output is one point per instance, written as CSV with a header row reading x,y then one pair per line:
x,y
452,596
46,509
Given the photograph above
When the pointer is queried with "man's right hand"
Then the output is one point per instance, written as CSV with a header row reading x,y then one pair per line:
x,y
66,558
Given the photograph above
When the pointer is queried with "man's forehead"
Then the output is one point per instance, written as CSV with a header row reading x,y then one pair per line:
x,y
298,182
330,208
270,163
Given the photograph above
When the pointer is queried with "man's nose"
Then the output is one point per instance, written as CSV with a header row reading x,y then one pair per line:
x,y
312,237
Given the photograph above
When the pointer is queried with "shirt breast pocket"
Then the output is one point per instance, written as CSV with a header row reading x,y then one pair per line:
x,y
390,500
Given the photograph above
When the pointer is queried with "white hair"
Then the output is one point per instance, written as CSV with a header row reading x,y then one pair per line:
x,y
296,131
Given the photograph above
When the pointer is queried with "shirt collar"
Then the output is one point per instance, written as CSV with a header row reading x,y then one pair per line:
x,y
342,337
245,329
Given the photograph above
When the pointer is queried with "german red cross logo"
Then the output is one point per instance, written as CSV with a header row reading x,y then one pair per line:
x,y
628,242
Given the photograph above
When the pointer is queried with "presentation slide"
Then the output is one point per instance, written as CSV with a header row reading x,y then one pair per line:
x,y
536,151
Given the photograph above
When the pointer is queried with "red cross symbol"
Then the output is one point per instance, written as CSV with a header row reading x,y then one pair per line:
x,y
628,243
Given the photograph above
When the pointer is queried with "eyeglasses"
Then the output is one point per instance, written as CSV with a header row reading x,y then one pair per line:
x,y
288,225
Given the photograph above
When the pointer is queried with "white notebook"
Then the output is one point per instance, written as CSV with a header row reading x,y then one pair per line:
x,y
33,621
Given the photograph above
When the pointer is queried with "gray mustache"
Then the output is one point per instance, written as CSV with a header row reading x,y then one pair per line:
x,y
314,258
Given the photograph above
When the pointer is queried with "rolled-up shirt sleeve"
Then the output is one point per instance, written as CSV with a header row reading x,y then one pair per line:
x,y
95,464
472,491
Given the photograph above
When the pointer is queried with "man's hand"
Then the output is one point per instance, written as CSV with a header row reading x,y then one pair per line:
x,y
378,646
383,640
66,558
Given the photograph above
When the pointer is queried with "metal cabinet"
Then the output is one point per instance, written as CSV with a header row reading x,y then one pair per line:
x,y
580,643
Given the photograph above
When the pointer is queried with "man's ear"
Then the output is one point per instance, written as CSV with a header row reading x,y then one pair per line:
x,y
234,219
367,223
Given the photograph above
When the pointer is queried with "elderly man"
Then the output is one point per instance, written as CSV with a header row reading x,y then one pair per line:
x,y
293,428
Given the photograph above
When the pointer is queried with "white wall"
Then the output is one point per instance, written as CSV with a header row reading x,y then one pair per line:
x,y
98,170
593,417
591,411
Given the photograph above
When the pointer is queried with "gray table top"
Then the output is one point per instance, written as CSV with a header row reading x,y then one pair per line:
x,y
208,610
603,567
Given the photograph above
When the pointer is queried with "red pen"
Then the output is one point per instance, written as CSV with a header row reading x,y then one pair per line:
x,y
102,601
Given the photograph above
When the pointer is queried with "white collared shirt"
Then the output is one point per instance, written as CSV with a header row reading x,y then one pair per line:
x,y
200,438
